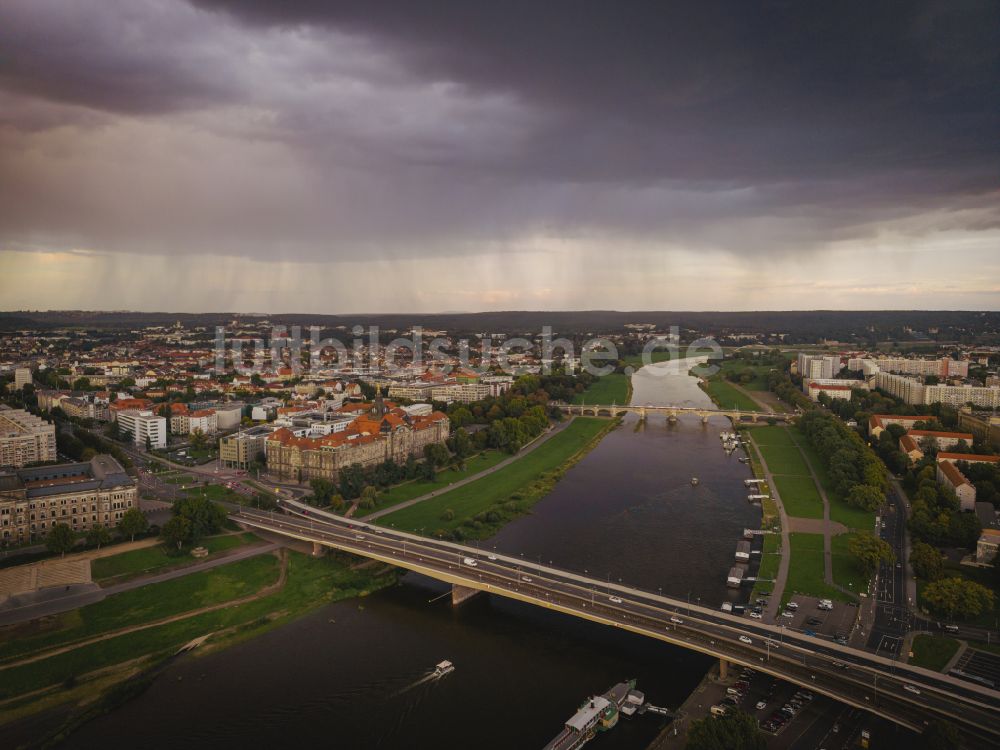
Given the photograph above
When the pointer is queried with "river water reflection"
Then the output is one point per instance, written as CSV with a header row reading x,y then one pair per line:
x,y
349,676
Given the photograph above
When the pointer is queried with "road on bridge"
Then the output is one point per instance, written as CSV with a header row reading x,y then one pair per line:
x,y
849,675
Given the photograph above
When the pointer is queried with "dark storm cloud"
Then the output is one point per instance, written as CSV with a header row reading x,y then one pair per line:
x,y
330,130
713,91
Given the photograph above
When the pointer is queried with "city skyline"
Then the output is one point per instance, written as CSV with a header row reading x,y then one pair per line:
x,y
474,158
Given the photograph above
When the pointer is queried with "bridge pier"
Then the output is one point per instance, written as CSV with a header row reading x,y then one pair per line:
x,y
723,669
460,594
319,550
704,419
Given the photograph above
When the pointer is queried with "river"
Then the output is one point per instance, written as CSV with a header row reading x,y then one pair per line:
x,y
351,675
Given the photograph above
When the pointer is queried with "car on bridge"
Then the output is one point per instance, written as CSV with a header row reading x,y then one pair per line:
x,y
676,621
470,562
746,639
615,599
911,689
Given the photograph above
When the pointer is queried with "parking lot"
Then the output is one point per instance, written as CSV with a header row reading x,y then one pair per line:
x,y
777,705
809,617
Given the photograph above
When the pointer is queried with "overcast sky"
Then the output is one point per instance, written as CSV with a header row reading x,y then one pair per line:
x,y
306,156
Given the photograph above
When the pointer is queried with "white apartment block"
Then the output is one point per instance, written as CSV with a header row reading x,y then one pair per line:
x,y
25,438
945,367
466,393
143,424
959,395
818,367
909,390
22,377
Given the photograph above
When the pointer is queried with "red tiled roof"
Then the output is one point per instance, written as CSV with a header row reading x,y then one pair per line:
x,y
952,473
970,457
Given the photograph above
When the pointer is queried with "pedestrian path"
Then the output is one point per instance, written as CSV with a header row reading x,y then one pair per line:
x,y
827,527
540,440
774,601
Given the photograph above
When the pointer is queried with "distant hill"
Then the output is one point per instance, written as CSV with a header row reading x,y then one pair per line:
x,y
799,326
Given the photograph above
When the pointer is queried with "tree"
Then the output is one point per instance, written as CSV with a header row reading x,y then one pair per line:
x,y
736,730
461,443
436,454
60,539
133,522
98,536
323,490
870,551
957,598
198,439
927,561
864,496
203,516
176,532
368,495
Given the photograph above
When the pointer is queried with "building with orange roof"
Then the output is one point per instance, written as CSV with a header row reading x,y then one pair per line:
x,y
877,423
912,441
380,431
950,475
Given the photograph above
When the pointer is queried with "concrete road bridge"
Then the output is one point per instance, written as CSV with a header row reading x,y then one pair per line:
x,y
671,412
907,695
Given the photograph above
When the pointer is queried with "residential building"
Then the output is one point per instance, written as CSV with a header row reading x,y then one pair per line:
x,y
144,424
415,391
81,495
25,438
818,367
129,404
984,425
960,395
879,422
22,377
465,393
950,475
944,367
913,441
814,389
379,431
909,390
987,546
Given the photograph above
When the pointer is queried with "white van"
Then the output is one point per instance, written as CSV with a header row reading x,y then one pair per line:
x,y
718,710
951,628
470,562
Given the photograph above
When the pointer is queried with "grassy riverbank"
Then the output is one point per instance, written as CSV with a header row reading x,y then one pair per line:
x,y
725,396
479,508
118,568
80,674
400,493
615,388
138,606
